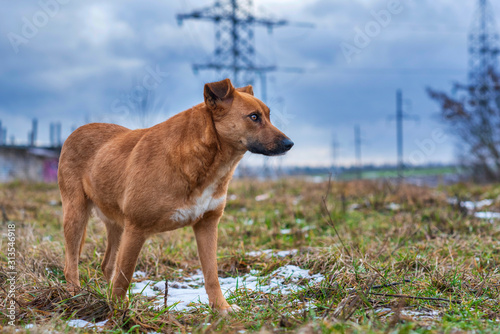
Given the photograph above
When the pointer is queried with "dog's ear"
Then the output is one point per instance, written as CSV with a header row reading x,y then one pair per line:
x,y
248,89
218,94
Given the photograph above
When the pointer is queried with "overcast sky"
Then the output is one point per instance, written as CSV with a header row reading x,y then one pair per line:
x,y
81,62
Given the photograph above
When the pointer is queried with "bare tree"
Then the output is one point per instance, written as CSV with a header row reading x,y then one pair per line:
x,y
473,116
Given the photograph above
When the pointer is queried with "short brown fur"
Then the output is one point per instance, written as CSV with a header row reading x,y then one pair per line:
x,y
147,181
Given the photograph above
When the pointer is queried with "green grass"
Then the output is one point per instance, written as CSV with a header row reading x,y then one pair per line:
x,y
393,173
368,254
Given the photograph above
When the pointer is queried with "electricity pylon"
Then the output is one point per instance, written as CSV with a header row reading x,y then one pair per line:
x,y
234,55
483,53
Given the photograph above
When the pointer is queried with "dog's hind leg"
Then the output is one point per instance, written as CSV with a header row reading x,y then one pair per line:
x,y
114,234
75,219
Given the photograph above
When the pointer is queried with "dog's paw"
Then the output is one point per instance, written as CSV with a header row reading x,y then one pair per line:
x,y
73,289
230,309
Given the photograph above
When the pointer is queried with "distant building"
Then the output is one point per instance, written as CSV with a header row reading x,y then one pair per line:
x,y
35,164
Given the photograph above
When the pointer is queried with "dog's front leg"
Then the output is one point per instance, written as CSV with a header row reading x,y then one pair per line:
x,y
128,252
206,238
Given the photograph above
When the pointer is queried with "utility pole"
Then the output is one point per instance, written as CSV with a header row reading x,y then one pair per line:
x,y
335,153
399,131
401,116
357,144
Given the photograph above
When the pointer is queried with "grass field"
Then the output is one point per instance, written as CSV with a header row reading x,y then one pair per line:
x,y
361,257
393,173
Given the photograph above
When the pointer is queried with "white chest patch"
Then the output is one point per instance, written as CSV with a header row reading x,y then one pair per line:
x,y
206,202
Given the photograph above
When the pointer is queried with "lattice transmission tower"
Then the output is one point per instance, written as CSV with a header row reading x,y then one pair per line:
x,y
234,56
483,54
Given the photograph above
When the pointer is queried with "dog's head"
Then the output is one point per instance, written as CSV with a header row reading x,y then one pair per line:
x,y
242,120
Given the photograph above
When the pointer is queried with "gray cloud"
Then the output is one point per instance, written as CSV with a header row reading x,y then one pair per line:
x,y
92,53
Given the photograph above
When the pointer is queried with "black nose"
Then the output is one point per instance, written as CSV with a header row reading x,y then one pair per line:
x,y
287,144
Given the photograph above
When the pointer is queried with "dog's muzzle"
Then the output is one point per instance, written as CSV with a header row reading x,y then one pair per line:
x,y
283,146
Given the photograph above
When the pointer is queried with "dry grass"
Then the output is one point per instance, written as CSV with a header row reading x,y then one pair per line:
x,y
380,264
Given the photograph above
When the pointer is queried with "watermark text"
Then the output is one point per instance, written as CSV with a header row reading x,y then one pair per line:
x,y
31,26
11,274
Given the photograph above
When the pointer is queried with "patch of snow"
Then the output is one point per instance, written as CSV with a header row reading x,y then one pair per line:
x,y
470,205
301,307
307,228
297,200
139,274
28,326
477,205
316,179
78,323
145,288
487,215
296,273
285,253
422,315
417,315
289,230
190,293
393,206
259,253
272,252
353,207
160,286
262,197
101,324
383,309
248,222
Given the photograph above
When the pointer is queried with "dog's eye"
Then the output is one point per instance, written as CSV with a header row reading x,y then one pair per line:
x,y
254,117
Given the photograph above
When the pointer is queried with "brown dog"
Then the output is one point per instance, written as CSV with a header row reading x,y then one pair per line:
x,y
171,175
